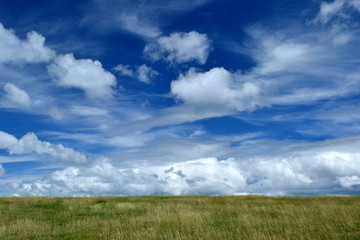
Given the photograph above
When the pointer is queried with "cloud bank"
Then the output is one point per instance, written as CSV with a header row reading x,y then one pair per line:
x,y
327,167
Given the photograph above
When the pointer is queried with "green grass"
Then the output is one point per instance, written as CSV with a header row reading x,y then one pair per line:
x,y
235,217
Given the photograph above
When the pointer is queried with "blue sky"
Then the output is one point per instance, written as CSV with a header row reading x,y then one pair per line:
x,y
106,97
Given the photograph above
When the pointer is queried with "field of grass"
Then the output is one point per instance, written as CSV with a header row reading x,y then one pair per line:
x,y
235,217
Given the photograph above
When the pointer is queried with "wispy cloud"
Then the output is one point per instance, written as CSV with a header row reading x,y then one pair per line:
x,y
17,95
140,17
329,9
297,66
336,9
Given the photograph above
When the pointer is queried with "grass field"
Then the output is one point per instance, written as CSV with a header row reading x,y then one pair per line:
x,y
235,217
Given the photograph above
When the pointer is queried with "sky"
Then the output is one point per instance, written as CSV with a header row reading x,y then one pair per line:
x,y
167,97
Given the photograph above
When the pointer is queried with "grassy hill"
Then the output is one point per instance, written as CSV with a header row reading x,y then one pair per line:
x,y
191,217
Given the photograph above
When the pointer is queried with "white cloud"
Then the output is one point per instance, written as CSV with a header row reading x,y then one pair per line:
x,y
320,168
143,73
340,16
329,9
203,176
298,65
2,170
283,56
125,70
17,95
284,52
180,48
216,89
7,141
349,181
336,8
31,50
84,74
31,144
12,158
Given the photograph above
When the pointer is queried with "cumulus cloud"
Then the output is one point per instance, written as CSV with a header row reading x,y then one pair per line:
x,y
31,144
31,50
84,74
180,48
203,176
17,95
125,70
143,73
328,167
217,88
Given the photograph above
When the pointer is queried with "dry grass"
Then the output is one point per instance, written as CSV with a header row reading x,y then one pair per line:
x,y
247,217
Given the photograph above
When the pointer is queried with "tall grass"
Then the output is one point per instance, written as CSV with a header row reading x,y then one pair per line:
x,y
246,217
